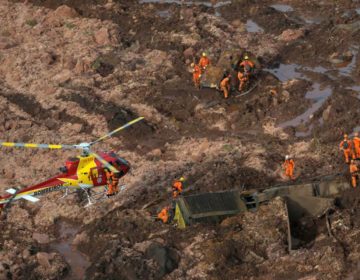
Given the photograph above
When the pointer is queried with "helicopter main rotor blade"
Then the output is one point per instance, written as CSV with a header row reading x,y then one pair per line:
x,y
116,130
33,145
105,163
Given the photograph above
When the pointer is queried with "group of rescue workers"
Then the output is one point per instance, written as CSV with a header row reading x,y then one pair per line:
x,y
167,213
351,149
245,69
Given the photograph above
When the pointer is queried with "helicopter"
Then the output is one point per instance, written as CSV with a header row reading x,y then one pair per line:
x,y
82,172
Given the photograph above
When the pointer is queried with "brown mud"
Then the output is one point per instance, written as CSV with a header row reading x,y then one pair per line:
x,y
73,75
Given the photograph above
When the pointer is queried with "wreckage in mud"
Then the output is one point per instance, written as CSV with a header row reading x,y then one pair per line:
x,y
304,204
229,62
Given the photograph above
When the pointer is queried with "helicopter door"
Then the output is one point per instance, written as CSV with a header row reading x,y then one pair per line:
x,y
98,176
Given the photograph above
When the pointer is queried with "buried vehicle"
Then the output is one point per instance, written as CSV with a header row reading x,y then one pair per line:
x,y
229,62
305,204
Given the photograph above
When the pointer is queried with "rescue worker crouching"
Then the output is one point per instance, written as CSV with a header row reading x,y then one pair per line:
x,y
112,180
166,215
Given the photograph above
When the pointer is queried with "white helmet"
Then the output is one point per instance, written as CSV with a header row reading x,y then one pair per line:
x,y
287,157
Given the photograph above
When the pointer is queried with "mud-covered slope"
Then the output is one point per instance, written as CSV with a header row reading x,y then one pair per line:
x,y
71,71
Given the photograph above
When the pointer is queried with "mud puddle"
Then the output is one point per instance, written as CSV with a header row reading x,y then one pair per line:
x,y
167,14
282,8
286,72
253,27
319,95
187,3
164,14
77,261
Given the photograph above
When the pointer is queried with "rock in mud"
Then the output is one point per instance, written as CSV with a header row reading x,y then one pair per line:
x,y
44,259
291,35
102,36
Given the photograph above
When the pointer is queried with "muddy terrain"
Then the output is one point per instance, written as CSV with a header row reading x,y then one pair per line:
x,y
70,71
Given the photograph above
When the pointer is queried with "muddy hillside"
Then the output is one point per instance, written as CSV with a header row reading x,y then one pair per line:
x,y
71,71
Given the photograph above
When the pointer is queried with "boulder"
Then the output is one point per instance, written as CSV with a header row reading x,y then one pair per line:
x,y
44,259
41,238
65,12
289,35
102,36
63,76
188,53
58,17
156,57
81,238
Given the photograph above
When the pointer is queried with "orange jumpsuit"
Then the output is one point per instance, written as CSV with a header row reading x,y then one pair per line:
x,y
164,215
354,173
346,146
112,182
246,63
196,76
204,62
177,188
356,142
243,78
225,86
289,166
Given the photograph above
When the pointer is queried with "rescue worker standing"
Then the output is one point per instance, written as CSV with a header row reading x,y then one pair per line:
x,y
346,146
225,85
243,79
354,173
196,75
177,187
112,181
289,166
356,142
204,62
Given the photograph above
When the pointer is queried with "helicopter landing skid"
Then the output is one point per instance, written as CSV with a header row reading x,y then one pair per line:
x,y
66,193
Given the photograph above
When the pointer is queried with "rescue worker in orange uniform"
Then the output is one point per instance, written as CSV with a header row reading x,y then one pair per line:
x,y
354,173
164,215
196,74
225,85
243,79
289,166
356,142
247,63
346,146
204,62
112,180
177,187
